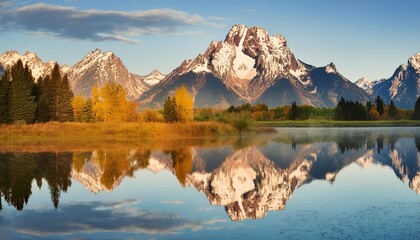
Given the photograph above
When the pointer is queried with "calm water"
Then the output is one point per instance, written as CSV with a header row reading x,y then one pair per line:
x,y
297,184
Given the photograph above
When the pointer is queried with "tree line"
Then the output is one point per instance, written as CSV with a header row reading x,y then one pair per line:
x,y
49,98
22,99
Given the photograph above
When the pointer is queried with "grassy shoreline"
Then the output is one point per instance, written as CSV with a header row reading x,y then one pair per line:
x,y
333,123
70,131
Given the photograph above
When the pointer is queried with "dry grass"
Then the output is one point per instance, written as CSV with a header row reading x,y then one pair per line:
x,y
120,132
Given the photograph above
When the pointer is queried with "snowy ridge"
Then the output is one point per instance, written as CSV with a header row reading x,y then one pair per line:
x,y
251,66
365,84
414,62
100,68
403,87
37,66
245,55
153,78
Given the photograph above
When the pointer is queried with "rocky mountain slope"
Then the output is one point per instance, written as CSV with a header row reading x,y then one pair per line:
x,y
365,84
252,66
37,66
100,68
403,87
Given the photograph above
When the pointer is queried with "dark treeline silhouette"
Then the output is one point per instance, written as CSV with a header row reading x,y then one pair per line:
x,y
24,100
18,170
349,110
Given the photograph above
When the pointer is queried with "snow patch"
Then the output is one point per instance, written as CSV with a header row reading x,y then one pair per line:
x,y
243,65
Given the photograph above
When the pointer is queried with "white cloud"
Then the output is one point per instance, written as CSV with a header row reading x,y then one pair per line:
x,y
96,25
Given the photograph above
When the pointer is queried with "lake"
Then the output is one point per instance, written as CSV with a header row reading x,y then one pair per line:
x,y
298,183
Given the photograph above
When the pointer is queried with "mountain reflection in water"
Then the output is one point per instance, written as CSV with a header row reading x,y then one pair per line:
x,y
249,176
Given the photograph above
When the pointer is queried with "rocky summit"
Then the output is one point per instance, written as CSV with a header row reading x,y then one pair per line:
x,y
251,66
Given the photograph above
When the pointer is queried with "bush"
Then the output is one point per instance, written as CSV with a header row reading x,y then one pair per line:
x,y
241,121
151,116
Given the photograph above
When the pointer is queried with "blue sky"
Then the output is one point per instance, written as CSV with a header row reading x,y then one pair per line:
x,y
362,38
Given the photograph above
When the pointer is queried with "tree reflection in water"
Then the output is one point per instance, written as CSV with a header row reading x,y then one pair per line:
x,y
247,176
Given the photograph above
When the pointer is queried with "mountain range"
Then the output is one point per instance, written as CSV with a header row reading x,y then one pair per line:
x,y
95,68
249,66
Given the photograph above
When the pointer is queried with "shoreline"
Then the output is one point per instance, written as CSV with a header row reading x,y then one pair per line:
x,y
332,123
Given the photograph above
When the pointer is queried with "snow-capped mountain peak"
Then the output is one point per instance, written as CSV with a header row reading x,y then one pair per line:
x,y
365,84
414,62
251,66
248,61
99,68
330,68
37,66
153,78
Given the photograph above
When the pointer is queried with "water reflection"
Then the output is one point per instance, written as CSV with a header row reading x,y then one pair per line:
x,y
18,170
248,176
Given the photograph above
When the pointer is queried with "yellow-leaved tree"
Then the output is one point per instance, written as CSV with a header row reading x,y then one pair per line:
x,y
184,105
78,104
111,105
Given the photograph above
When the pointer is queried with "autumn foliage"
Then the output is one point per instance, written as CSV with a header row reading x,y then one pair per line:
x,y
180,107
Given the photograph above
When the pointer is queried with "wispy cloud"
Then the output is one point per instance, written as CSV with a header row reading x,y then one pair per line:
x,y
96,25
172,202
215,18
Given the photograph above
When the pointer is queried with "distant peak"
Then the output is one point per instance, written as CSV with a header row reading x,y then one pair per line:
x,y
414,61
363,79
32,54
156,72
330,68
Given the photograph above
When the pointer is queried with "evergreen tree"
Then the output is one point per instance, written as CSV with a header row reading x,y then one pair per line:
x,y
43,111
368,106
22,102
64,97
184,105
5,88
51,91
294,111
392,110
169,110
379,105
416,115
37,92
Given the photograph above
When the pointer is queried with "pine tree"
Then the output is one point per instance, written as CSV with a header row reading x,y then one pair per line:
x,y
183,105
5,88
51,91
37,92
368,106
43,111
22,102
416,115
392,110
169,110
379,105
64,97
294,111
